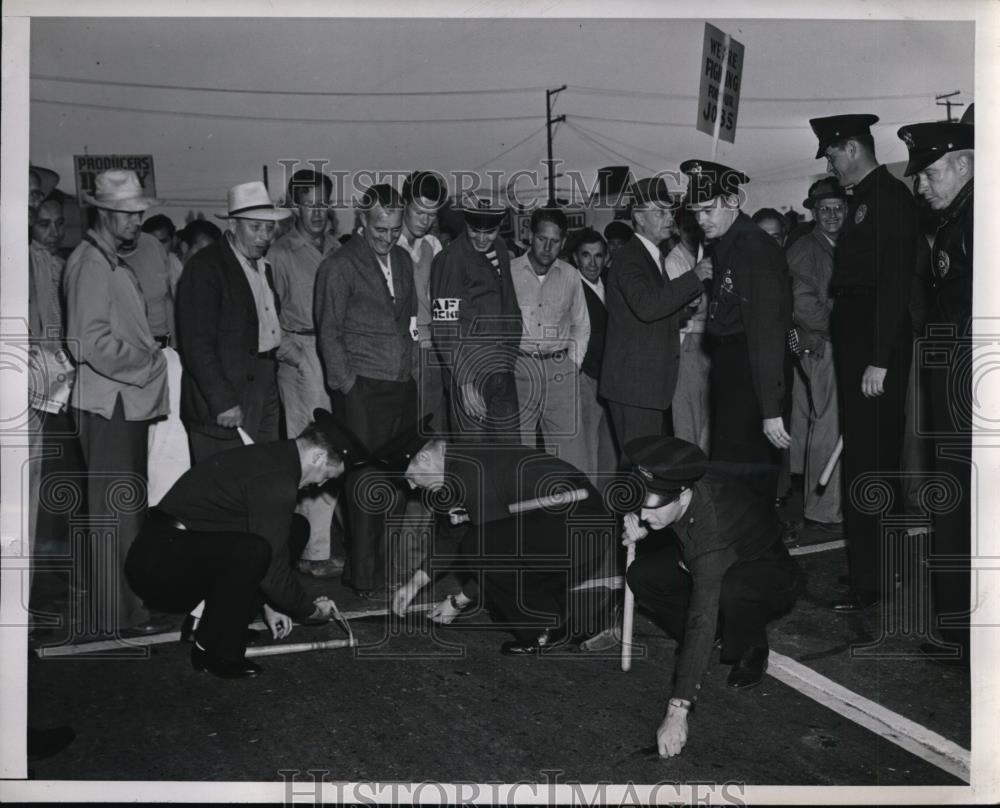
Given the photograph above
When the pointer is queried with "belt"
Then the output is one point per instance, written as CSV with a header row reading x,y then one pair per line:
x,y
311,332
164,341
272,354
540,355
853,291
165,519
728,339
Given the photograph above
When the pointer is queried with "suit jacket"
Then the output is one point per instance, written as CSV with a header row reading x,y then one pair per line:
x,y
642,349
108,335
361,330
217,331
760,274
249,489
598,332
810,262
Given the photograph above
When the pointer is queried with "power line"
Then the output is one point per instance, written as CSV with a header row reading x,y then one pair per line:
x,y
671,124
285,119
603,146
311,93
632,146
689,97
508,150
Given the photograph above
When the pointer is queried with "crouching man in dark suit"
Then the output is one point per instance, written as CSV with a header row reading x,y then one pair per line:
x,y
528,557
728,566
223,533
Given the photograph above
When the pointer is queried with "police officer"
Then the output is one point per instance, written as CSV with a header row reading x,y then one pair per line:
x,y
749,314
729,565
942,158
871,332
223,534
476,326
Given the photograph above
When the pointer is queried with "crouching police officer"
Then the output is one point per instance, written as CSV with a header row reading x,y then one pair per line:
x,y
728,568
223,534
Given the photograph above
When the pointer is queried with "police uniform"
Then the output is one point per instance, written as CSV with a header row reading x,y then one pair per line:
x,y
476,328
874,262
749,314
223,533
949,377
729,565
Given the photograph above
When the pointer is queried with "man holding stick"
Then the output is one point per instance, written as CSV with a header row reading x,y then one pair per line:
x,y
728,564
224,534
537,527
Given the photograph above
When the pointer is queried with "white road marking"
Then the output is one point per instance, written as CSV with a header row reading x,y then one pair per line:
x,y
909,735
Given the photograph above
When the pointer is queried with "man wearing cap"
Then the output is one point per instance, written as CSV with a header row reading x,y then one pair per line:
x,y
366,308
728,564
815,419
870,326
227,317
121,375
642,349
294,258
476,325
943,159
222,534
556,327
749,314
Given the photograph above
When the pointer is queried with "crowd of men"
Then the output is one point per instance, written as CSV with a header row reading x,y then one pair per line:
x,y
692,346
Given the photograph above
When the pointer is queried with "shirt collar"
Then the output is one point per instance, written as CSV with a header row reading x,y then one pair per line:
x,y
597,287
652,249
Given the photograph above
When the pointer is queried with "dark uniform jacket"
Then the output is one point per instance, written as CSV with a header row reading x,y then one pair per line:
x,y
218,337
951,273
725,524
756,266
475,317
362,330
877,250
250,489
642,349
598,314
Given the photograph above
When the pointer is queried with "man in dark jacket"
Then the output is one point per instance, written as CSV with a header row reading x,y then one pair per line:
x,y
728,564
942,157
642,350
366,323
227,323
872,336
476,326
749,314
222,534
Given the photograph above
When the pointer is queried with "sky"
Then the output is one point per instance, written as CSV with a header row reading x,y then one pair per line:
x,y
631,95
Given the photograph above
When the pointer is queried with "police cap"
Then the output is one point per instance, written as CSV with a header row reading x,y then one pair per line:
x,y
835,128
707,180
666,465
928,141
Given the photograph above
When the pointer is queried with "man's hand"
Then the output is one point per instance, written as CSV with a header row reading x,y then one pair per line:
x,y
633,531
774,431
703,269
472,401
873,381
231,418
408,591
673,732
280,624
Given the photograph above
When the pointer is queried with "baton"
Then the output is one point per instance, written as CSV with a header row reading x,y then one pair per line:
x,y
831,464
627,613
299,647
551,501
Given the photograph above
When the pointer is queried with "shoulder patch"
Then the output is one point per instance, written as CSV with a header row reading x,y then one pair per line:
x,y
860,214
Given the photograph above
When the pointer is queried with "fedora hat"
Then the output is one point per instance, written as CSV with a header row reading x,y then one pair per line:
x,y
249,200
47,178
119,189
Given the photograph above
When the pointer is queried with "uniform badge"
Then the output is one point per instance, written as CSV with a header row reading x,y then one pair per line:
x,y
445,309
862,211
943,263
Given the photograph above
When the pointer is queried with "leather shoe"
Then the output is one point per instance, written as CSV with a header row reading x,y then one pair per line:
x,y
749,670
202,660
188,631
546,640
854,603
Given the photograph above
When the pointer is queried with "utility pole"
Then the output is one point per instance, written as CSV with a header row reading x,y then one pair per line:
x,y
943,101
549,120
